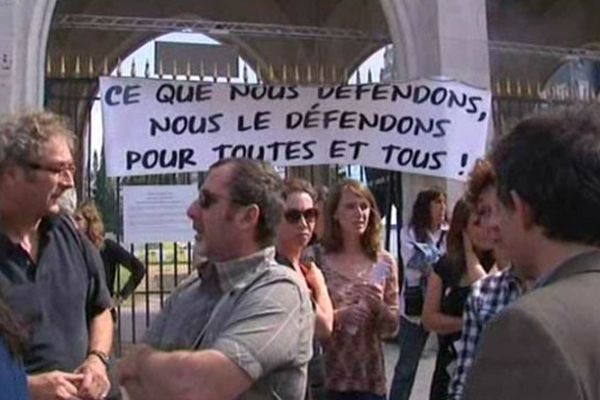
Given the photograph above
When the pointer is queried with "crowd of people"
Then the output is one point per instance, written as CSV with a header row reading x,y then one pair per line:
x,y
293,294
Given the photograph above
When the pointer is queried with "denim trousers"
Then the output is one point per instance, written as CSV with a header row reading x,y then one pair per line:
x,y
412,338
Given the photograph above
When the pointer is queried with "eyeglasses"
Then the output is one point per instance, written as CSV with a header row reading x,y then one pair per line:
x,y
293,216
60,169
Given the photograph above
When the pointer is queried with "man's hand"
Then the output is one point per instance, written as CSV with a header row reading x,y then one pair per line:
x,y
128,366
54,385
95,383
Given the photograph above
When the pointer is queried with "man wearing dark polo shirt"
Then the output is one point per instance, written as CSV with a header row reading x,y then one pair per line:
x,y
50,276
242,328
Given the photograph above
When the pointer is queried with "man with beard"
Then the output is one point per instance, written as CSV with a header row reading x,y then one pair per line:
x,y
243,327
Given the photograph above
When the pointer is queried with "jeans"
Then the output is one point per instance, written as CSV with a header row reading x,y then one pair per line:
x,y
412,339
332,395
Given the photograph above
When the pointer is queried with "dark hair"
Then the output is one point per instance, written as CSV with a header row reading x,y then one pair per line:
x,y
256,182
552,162
455,253
294,185
10,330
420,219
481,177
93,219
333,240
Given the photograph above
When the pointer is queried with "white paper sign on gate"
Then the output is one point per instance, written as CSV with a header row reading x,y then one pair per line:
x,y
430,127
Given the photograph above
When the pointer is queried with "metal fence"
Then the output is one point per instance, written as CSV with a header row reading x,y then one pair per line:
x,y
169,263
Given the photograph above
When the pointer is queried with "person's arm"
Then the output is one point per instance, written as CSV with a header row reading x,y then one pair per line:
x,y
387,317
433,319
322,302
123,257
53,385
471,332
519,359
272,326
147,374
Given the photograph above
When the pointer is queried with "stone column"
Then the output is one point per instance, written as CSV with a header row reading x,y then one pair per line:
x,y
438,38
24,27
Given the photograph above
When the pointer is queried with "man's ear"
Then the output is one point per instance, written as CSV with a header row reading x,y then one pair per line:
x,y
522,210
249,217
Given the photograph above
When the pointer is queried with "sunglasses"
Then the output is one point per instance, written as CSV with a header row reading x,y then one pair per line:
x,y
293,216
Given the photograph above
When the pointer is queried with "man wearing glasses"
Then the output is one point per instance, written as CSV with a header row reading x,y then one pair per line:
x,y
242,328
49,275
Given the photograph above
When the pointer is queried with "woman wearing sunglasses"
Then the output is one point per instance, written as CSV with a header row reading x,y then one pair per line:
x,y
294,233
362,279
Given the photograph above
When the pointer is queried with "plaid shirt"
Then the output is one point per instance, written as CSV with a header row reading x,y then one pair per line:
x,y
488,297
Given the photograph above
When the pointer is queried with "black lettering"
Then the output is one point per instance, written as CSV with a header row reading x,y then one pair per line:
x,y
150,159
275,147
112,91
421,94
311,119
454,100
293,120
337,149
165,93
239,151
180,125
241,126
307,146
292,150
472,109
260,154
380,92
329,117
292,93
342,92
420,163
400,92
437,163
132,157
405,156
387,122
213,120
348,120
155,126
261,120
405,125
203,91
238,90
168,162
420,126
389,150
258,92
221,149
131,96
325,92
185,157
439,96
440,125
357,146
361,89
363,120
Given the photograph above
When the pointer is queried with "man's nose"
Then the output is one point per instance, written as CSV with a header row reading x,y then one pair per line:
x,y
193,211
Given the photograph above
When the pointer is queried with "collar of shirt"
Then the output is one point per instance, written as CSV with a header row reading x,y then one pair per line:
x,y
236,273
45,225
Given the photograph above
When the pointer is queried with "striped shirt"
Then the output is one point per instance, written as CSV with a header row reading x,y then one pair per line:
x,y
488,297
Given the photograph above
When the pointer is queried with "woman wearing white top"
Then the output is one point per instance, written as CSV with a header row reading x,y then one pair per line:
x,y
422,243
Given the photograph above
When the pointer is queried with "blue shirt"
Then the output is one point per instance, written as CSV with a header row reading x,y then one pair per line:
x,y
13,381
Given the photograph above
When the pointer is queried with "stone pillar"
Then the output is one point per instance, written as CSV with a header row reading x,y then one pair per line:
x,y
24,27
438,38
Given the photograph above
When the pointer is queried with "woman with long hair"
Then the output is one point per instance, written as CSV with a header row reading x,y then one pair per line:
x,y
293,235
89,222
13,380
362,280
422,243
468,258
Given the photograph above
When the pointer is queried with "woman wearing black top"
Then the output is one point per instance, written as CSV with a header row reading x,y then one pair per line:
x,y
89,221
468,258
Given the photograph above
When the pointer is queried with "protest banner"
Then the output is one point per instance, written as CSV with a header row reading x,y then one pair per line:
x,y
426,126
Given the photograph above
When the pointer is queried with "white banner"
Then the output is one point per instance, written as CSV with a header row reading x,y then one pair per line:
x,y
430,127
153,214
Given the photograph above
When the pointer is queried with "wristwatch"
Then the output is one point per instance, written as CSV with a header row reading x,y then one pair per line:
x,y
102,356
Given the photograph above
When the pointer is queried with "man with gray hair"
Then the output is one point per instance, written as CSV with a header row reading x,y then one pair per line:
x,y
50,276
243,327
